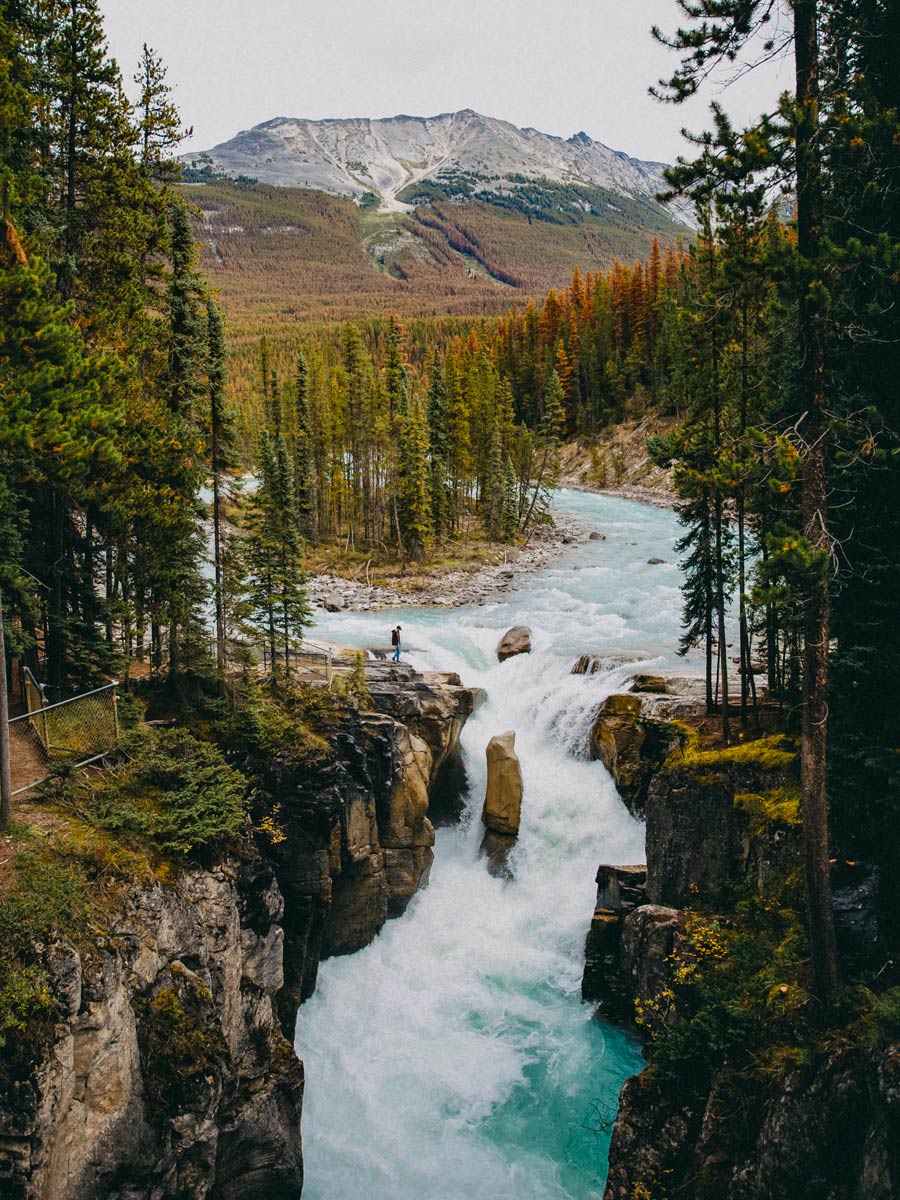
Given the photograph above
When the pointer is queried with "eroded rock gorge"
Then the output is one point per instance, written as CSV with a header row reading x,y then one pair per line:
x,y
170,1070
823,1124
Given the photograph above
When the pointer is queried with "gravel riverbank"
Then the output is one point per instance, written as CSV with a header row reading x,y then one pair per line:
x,y
451,589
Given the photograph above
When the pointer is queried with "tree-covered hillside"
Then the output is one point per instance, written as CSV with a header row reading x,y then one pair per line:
x,y
283,257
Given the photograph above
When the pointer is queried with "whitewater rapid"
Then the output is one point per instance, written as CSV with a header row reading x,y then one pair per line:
x,y
452,1059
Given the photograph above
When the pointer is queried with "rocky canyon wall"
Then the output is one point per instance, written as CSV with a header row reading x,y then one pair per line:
x,y
755,1123
171,1071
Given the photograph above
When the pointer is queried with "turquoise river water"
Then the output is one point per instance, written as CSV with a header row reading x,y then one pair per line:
x,y
452,1058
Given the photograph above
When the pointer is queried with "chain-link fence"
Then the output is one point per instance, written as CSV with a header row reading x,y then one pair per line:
x,y
77,731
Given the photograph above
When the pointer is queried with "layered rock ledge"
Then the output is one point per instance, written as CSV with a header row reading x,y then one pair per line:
x,y
200,958
823,1123
202,975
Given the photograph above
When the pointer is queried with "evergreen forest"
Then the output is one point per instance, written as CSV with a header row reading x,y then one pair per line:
x,y
162,494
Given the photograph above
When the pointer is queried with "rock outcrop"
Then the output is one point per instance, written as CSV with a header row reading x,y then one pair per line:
x,y
630,743
703,833
825,1124
619,891
105,1115
357,819
502,810
172,1071
828,1129
434,705
515,641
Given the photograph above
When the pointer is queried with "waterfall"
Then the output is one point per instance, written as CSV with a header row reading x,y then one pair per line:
x,y
452,1059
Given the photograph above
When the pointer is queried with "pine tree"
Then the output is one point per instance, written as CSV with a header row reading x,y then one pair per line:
x,y
222,458
439,440
459,437
304,461
59,421
186,343
725,27
275,580
414,483
494,494
509,512
186,381
546,465
159,125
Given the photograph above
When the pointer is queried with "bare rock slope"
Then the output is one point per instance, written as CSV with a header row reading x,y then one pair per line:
x,y
382,157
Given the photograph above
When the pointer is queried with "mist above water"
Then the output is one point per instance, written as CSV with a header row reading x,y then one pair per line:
x,y
452,1059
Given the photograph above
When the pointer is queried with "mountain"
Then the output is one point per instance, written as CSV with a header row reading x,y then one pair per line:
x,y
457,215
392,161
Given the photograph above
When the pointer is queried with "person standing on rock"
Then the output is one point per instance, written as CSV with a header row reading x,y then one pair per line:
x,y
395,642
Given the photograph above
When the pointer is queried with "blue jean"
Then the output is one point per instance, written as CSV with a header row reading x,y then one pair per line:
x,y
397,653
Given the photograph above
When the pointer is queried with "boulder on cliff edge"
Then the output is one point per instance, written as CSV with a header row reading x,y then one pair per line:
x,y
503,799
515,641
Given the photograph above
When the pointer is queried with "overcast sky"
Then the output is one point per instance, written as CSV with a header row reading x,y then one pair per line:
x,y
558,65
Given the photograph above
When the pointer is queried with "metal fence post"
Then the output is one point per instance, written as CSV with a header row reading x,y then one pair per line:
x,y
115,704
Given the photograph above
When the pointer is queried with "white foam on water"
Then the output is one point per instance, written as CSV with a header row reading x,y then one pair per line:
x,y
451,1059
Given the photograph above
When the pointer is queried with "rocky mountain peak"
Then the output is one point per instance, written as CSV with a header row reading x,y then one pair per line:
x,y
386,157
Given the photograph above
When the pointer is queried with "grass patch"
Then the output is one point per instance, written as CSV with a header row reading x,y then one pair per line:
x,y
48,900
881,1023
777,806
182,1048
773,753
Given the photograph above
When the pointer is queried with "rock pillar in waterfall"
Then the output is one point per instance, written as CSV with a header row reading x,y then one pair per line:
x,y
502,802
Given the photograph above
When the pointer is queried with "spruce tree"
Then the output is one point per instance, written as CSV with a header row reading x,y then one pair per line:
x,y
275,580
414,483
509,511
158,123
222,458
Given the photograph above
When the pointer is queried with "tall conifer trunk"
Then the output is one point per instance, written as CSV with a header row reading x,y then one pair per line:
x,y
217,561
746,670
814,427
719,518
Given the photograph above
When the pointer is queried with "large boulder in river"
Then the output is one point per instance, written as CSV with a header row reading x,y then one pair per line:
x,y
503,799
590,664
515,641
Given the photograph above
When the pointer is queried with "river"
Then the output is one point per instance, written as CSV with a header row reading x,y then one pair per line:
x,y
452,1059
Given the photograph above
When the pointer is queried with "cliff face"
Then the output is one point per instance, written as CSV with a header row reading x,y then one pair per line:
x,y
189,972
357,833
824,1122
829,1130
171,1071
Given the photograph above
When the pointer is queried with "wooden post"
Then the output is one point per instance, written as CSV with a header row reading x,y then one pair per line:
x,y
5,769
